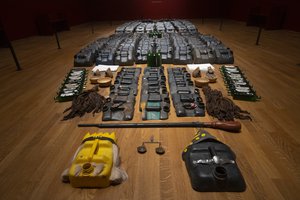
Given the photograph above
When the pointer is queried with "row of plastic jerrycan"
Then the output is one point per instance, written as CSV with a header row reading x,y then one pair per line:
x,y
198,48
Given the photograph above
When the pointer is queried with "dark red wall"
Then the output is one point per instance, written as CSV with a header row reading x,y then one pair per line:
x,y
239,10
19,17
155,9
293,16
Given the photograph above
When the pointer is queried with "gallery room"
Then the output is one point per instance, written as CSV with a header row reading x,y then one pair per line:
x,y
149,99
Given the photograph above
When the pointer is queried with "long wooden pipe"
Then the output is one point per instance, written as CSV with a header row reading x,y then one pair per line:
x,y
231,126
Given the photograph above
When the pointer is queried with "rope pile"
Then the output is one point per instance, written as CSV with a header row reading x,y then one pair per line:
x,y
86,102
221,107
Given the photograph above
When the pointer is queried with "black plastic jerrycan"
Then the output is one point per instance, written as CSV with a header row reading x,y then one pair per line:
x,y
211,165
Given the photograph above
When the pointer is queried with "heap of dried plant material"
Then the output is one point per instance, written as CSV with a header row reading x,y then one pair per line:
x,y
221,107
210,75
86,102
108,73
196,73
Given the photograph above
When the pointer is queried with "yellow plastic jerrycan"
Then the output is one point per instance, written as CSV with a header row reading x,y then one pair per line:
x,y
93,161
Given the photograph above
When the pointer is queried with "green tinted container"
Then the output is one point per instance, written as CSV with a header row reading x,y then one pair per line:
x,y
154,59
